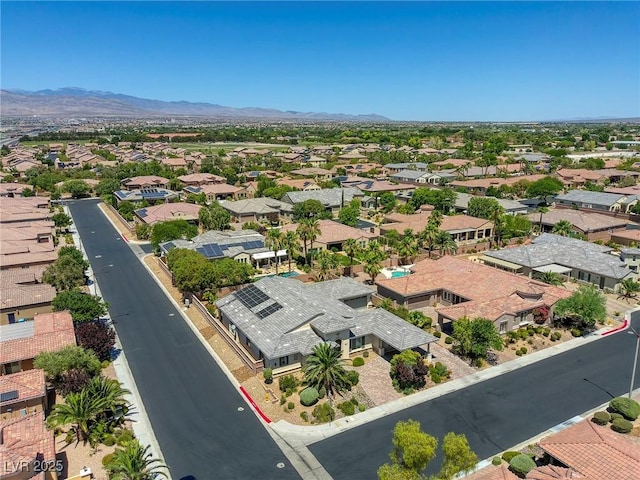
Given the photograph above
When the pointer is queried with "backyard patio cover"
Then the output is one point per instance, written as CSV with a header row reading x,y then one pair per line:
x,y
552,267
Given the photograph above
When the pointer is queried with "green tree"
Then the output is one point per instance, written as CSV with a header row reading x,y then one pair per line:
x,y
324,368
629,288
325,262
65,273
73,252
585,306
274,240
82,306
109,390
474,338
408,247
388,201
445,243
77,188
107,186
563,228
484,207
552,278
349,215
412,451
61,220
132,461
544,188
514,226
373,257
57,364
172,230
309,209
351,248
308,230
290,244
79,409
458,456
214,217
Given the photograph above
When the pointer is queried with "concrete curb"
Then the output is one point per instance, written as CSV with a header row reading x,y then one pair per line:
x,y
139,419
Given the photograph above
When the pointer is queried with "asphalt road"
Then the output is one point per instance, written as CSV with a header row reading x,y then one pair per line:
x,y
192,405
498,413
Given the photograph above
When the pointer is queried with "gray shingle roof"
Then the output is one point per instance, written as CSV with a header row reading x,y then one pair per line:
x,y
329,197
230,243
586,196
288,330
568,252
256,205
462,201
408,174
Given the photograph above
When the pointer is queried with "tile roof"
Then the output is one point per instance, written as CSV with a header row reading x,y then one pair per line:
x,y
333,232
488,182
144,180
489,292
595,452
583,221
24,439
22,296
47,332
462,202
201,178
29,384
418,221
168,211
548,249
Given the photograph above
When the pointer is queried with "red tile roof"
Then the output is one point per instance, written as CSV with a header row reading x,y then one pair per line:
x,y
24,439
29,384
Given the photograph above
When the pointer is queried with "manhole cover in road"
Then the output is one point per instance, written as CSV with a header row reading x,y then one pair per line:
x,y
280,465
241,409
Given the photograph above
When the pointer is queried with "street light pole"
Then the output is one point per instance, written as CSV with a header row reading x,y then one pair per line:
x,y
635,359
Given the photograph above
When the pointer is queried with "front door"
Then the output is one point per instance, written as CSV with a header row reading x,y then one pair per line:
x,y
11,317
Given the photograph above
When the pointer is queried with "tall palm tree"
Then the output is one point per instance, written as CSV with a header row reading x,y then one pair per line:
x,y
290,244
79,409
273,241
542,211
110,390
134,462
391,238
563,228
408,249
325,262
351,248
308,230
445,243
325,368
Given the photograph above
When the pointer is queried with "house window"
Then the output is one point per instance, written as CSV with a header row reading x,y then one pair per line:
x,y
283,361
503,326
12,367
356,343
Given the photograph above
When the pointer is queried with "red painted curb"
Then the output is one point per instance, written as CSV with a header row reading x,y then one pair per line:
x,y
124,238
615,330
246,394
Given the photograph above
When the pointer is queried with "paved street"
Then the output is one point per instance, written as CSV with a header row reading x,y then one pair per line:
x,y
498,413
192,405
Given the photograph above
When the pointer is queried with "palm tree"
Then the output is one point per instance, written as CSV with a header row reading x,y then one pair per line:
x,y
325,368
274,240
325,262
290,244
408,248
391,239
542,211
134,462
563,228
79,409
308,230
551,278
110,390
629,288
351,248
445,243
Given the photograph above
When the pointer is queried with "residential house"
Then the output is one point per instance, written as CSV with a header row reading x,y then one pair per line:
x,y
21,342
313,161
511,207
463,229
219,191
375,188
174,163
598,201
151,195
23,295
262,209
333,235
200,179
481,185
12,190
22,393
627,238
352,156
245,246
280,320
410,176
451,163
165,212
26,238
576,177
144,182
26,441
303,184
319,174
584,261
594,226
399,167
460,288
631,258
332,198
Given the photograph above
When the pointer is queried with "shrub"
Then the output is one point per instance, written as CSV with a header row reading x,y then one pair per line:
x,y
448,340
283,399
437,334
601,418
322,392
323,413
621,425
508,455
524,350
354,377
546,332
576,332
496,461
354,400
124,437
615,416
365,354
267,374
109,440
347,408
288,383
358,362
627,407
290,406
309,396
522,464
97,336
519,352
556,336
107,459
362,407
304,416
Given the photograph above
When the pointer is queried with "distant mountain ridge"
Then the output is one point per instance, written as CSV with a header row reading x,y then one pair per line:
x,y
78,101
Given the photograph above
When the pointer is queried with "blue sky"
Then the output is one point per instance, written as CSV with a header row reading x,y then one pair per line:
x,y
447,61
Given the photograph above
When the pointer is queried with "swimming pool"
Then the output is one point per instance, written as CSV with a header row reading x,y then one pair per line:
x,y
289,274
400,273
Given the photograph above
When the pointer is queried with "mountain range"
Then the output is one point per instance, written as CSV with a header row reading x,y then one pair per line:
x,y
73,101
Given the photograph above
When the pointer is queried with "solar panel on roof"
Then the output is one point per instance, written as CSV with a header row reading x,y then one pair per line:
x,y
8,396
251,296
265,312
